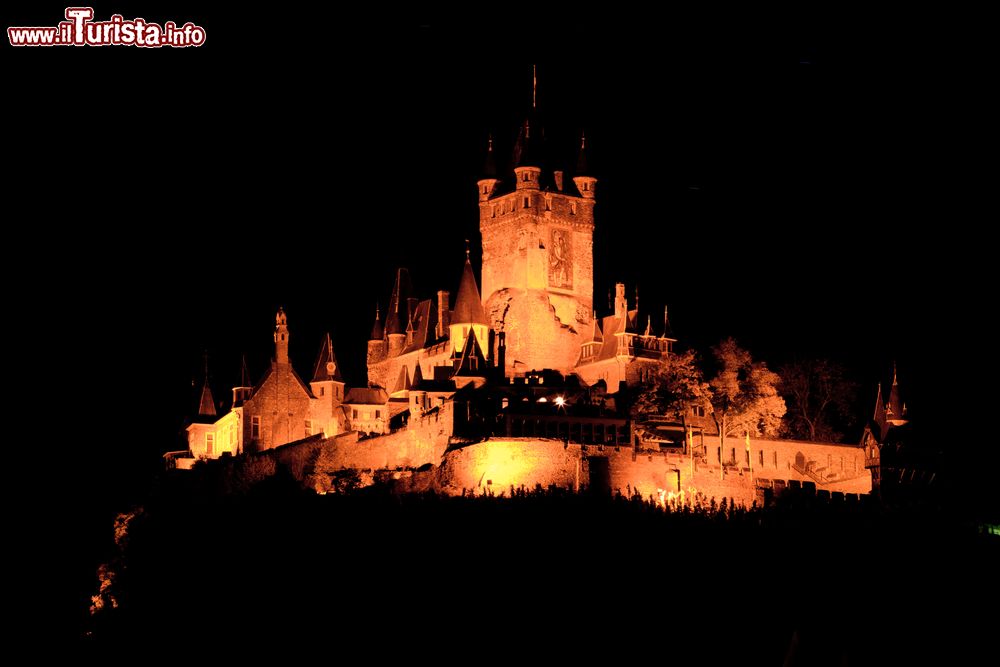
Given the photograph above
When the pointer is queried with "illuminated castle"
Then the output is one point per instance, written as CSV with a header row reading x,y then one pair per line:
x,y
517,385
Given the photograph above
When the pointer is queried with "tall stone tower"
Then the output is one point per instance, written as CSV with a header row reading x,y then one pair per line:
x,y
281,337
538,266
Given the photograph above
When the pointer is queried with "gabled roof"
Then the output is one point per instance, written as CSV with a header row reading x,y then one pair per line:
x,y
473,361
326,367
270,371
423,321
366,396
403,382
468,304
206,406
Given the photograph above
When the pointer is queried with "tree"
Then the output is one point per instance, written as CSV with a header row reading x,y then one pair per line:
x,y
816,392
743,394
674,387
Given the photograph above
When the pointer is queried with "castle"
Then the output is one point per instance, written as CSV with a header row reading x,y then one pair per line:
x,y
519,384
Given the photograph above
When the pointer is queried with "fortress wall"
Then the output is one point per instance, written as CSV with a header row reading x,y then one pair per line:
x,y
498,464
423,441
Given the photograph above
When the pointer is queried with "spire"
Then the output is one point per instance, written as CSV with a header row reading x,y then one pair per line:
x,y
534,86
244,373
667,329
894,407
468,304
490,169
326,367
397,305
466,250
649,325
582,168
377,332
206,406
879,415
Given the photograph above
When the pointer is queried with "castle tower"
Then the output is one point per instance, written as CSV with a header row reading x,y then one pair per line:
x,y
895,411
327,382
488,183
538,275
376,342
281,337
468,315
242,392
398,315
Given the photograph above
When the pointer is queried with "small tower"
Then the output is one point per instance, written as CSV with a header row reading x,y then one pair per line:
x,y
376,342
584,183
327,382
468,314
395,322
527,171
242,392
281,337
488,183
895,413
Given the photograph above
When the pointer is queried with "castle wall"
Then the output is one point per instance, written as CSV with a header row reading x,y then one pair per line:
x,y
424,441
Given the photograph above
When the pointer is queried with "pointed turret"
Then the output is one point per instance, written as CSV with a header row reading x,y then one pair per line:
x,y
242,392
326,367
585,183
468,314
378,333
894,413
206,405
488,183
395,319
879,416
376,342
471,366
649,326
668,331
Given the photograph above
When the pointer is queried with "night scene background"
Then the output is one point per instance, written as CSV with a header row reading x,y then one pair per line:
x,y
765,180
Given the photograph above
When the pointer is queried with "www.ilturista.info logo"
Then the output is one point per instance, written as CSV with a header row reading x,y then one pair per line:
x,y
79,29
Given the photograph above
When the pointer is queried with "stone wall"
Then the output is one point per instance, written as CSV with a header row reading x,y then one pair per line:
x,y
283,407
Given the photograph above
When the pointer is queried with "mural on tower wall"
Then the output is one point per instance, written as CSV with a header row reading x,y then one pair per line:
x,y
561,259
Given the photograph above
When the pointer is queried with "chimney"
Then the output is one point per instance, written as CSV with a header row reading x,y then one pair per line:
x,y
443,319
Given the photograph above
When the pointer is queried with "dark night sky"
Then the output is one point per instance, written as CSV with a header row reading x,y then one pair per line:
x,y
766,182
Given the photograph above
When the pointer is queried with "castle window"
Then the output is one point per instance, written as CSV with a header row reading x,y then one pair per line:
x,y
775,459
527,202
354,413
493,211
762,458
748,458
524,177
255,427
378,414
210,444
322,391
309,427
572,208
732,455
